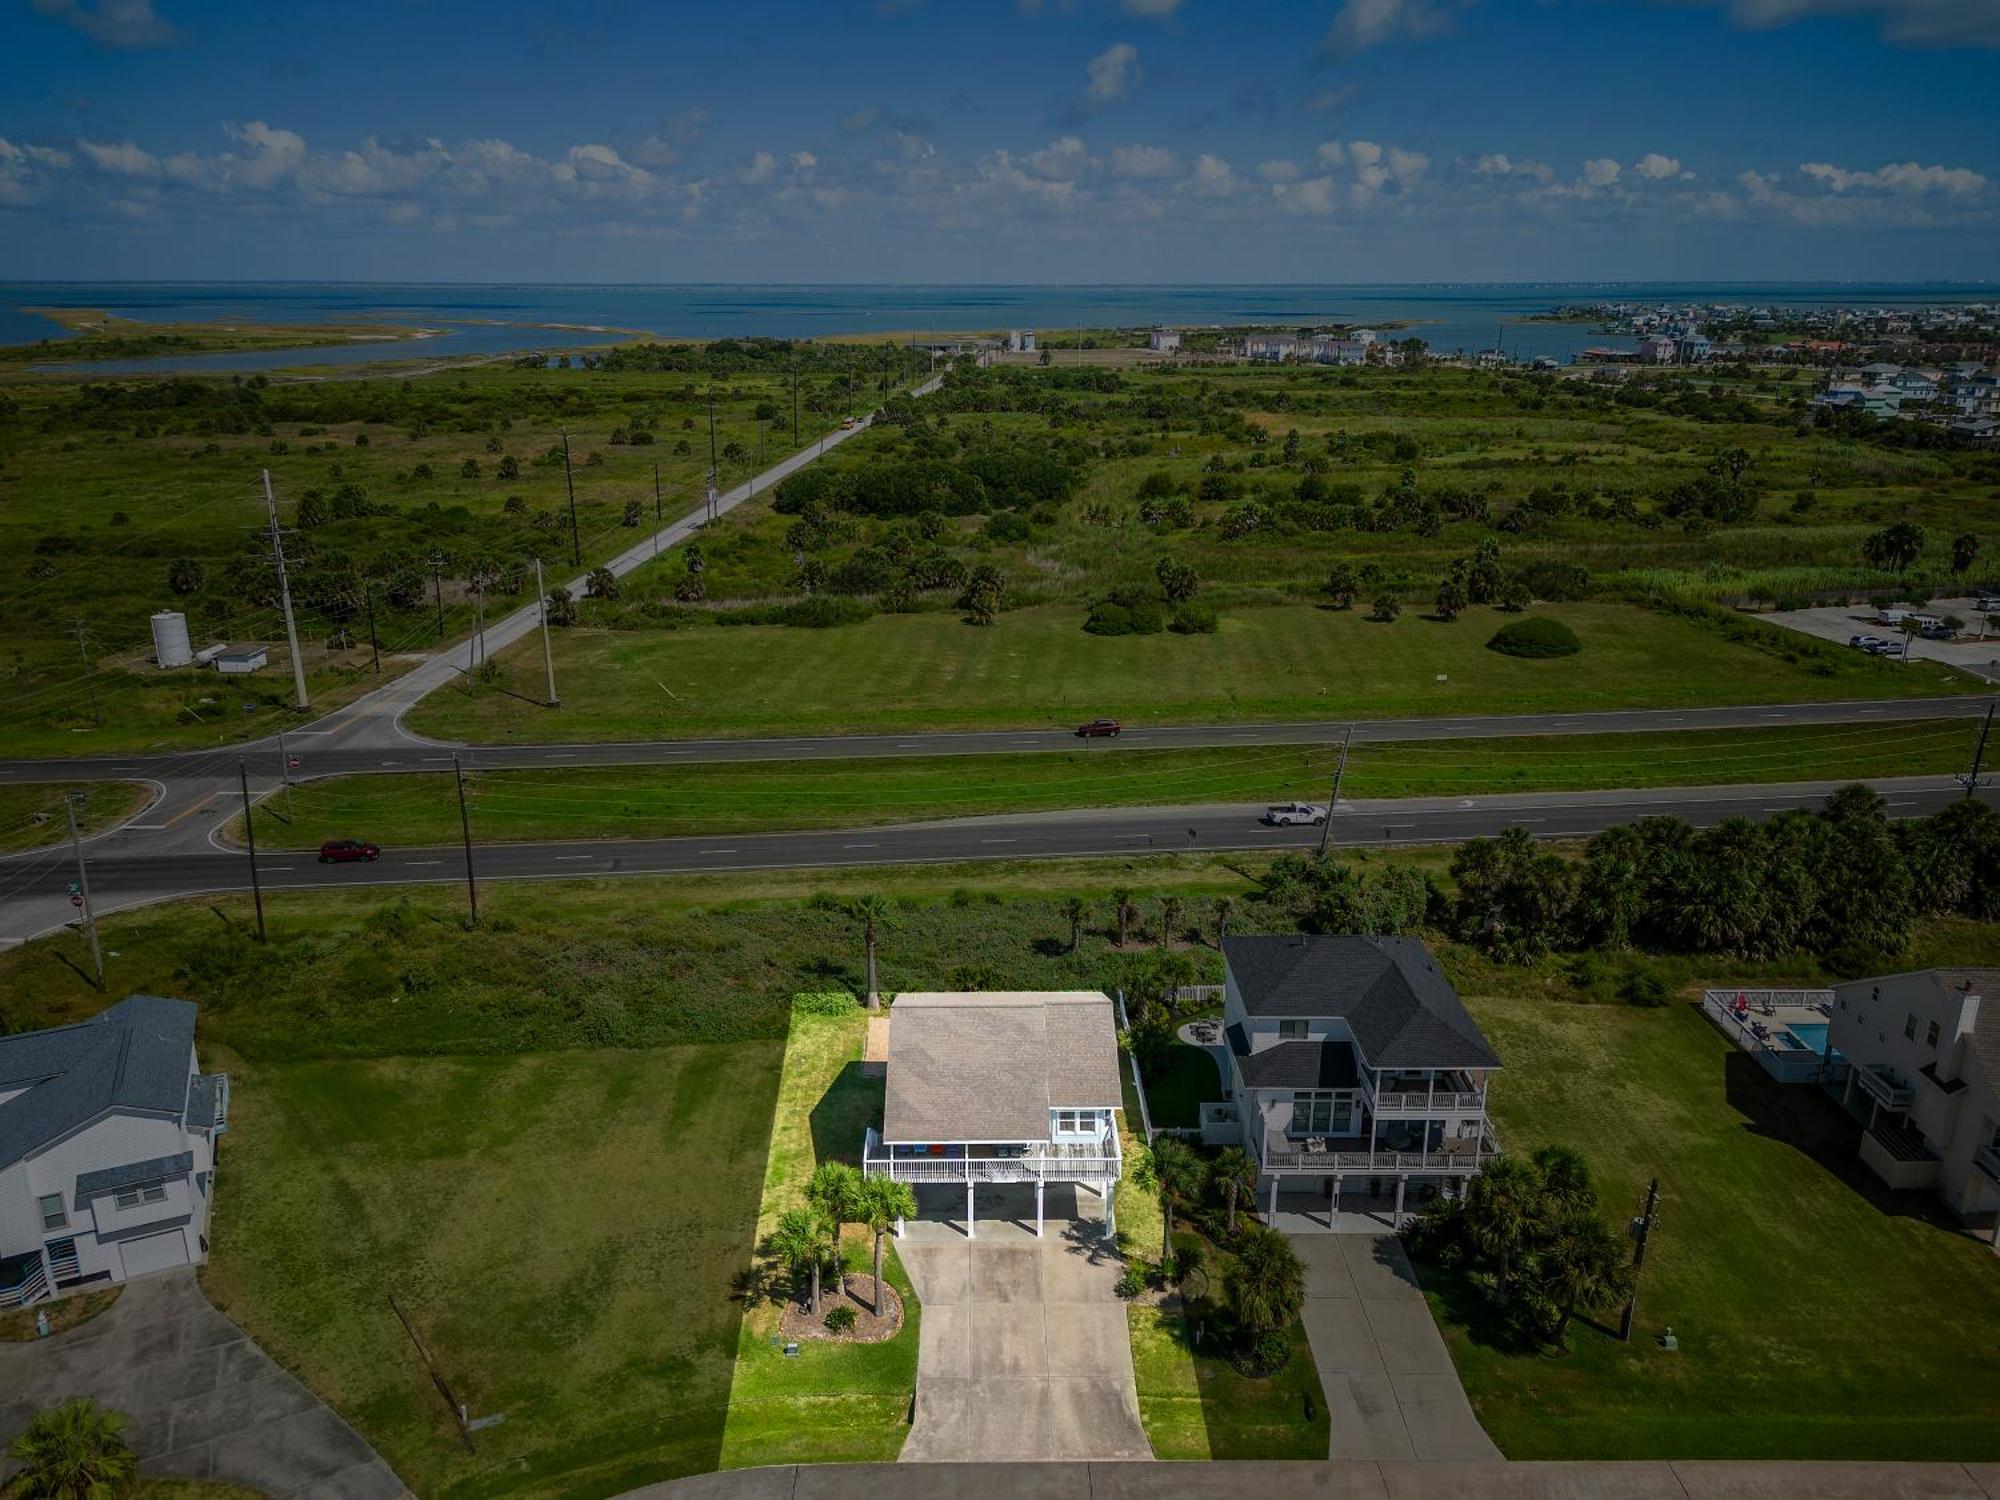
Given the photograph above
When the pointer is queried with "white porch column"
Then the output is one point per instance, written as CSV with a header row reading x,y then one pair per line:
x,y
1401,1183
1038,1208
1333,1206
969,1228
1271,1212
1111,1207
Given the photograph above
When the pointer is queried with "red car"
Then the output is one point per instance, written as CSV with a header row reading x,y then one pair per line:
x,y
345,851
1099,728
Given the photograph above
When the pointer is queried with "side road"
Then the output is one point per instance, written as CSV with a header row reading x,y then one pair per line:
x,y
204,1401
1384,1480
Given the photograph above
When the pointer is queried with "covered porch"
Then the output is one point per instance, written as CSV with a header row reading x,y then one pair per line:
x,y
1027,1182
1010,1213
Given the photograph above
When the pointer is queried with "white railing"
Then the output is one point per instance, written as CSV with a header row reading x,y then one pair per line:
x,y
1766,1002
29,1289
1879,1084
1062,1168
1465,1160
1423,1102
1987,1159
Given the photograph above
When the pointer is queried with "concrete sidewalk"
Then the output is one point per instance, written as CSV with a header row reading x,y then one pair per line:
x,y
1385,1480
1391,1389
204,1401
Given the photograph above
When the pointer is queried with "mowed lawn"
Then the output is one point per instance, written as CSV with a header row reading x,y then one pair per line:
x,y
31,812
661,801
1818,1316
564,1229
1036,667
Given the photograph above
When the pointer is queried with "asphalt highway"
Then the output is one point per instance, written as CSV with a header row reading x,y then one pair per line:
x,y
121,880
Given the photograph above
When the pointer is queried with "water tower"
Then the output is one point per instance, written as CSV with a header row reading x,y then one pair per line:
x,y
170,639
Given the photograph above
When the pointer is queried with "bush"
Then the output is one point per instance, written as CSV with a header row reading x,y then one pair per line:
x,y
1643,989
1131,1281
1108,619
1195,618
1538,637
819,612
840,1320
831,1003
1263,1356
1148,618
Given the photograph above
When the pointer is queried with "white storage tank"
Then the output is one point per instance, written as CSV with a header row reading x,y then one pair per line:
x,y
170,639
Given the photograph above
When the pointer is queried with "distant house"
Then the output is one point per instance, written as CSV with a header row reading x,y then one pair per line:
x,y
238,661
1658,349
1925,1054
1328,350
1164,341
1351,1063
107,1149
1275,347
1693,348
995,1091
1020,341
1976,429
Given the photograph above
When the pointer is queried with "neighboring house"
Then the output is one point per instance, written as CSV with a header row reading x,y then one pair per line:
x,y
1328,350
1976,429
1693,348
107,1149
1658,349
1270,346
1925,1050
1164,341
1351,1059
1009,1088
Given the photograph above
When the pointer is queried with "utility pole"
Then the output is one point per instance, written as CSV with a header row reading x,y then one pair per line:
x,y
478,619
548,651
89,678
437,586
713,470
1971,779
83,886
465,828
285,773
658,524
285,597
250,836
569,482
1339,770
1644,1229
795,401
374,645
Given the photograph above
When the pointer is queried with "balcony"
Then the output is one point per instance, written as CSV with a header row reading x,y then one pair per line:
x,y
1880,1083
1407,1102
1043,1160
1329,1158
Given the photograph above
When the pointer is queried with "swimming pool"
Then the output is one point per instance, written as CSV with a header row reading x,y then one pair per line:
x,y
1809,1034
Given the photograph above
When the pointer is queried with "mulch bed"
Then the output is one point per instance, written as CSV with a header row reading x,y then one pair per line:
x,y
859,1294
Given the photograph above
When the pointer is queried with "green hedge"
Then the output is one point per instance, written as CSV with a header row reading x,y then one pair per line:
x,y
1537,636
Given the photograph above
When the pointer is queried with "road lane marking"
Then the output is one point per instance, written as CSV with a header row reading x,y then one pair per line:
x,y
437,759
718,851
999,841
562,755
144,827
190,812
861,846
274,869
576,856
415,862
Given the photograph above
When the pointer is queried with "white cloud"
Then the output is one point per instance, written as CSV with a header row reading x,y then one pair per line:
x,y
1906,195
1657,168
1213,177
1899,177
1500,164
1316,195
1278,171
120,157
1151,10
1063,159
1907,23
1361,24
1141,162
1601,171
1114,73
762,168
1332,153
111,23
1327,99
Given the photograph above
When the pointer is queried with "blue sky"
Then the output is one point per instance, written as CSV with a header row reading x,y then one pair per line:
x,y
1001,140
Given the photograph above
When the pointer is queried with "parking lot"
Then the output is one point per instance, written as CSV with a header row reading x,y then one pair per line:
x,y
1841,622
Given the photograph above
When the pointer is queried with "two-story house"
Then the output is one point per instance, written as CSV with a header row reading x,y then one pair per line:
x,y
107,1149
1353,1066
1925,1055
1000,1091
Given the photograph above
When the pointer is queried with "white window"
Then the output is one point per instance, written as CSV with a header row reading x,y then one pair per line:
x,y
53,1216
143,1192
1322,1113
1076,1122
1291,1031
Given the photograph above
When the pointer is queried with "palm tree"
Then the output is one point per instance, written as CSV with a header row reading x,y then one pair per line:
x,y
1177,1173
884,1201
1236,1174
75,1451
1584,1265
801,1241
1121,899
1075,909
1497,1210
834,1190
1222,908
870,911
1171,911
1267,1286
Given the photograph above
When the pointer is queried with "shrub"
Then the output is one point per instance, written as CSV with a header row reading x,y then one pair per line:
x,y
840,1320
1643,989
1537,637
1263,1356
1195,618
1108,619
1147,618
1131,1281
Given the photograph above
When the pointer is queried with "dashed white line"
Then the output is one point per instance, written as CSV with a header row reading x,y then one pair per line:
x,y
561,755
718,851
445,759
273,869
999,841
861,846
575,856
426,862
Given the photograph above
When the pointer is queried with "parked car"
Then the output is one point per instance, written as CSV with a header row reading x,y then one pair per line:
x,y
1890,648
1292,814
1938,632
347,851
1099,729
1866,642
1987,604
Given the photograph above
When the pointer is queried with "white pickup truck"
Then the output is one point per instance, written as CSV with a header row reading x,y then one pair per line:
x,y
1294,814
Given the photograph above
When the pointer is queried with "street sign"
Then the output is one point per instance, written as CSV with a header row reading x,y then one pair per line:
x,y
294,761
76,898
75,889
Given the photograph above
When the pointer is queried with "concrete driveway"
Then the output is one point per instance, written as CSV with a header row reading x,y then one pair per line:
x,y
1391,1390
204,1401
1024,1352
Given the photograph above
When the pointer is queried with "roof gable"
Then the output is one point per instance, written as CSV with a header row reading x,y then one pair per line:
x,y
133,1055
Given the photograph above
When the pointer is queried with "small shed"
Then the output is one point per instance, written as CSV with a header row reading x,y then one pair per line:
x,y
239,661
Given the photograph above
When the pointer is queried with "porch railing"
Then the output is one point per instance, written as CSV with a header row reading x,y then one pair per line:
x,y
1881,1085
1987,1159
31,1288
1466,1159
992,1168
1423,1102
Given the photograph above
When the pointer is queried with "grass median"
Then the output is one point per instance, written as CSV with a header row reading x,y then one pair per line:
x,y
31,813
664,801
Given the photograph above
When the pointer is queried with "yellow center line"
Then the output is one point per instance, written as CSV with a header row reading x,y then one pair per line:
x,y
190,812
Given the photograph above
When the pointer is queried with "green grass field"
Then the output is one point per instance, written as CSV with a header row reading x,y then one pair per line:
x,y
1035,668
662,801
31,813
1818,1315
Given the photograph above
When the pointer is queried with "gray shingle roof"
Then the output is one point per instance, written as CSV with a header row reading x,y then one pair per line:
x,y
133,1055
990,1067
109,1179
1401,1009
1294,1065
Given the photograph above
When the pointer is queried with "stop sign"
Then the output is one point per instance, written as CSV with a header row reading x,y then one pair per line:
x,y
76,900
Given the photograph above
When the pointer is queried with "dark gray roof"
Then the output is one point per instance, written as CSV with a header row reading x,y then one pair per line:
x,y
110,1179
204,1101
133,1055
1401,1009
1294,1065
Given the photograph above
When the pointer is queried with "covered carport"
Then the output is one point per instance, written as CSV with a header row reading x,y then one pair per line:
x,y
1007,1210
